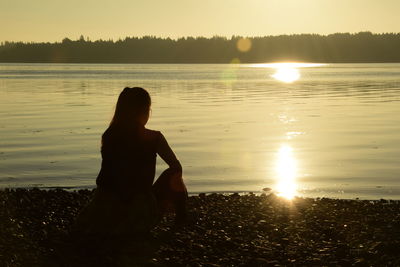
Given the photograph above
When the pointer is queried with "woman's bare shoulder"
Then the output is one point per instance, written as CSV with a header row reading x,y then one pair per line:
x,y
153,134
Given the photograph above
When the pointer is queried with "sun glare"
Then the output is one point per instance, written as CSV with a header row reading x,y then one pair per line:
x,y
286,169
286,74
279,65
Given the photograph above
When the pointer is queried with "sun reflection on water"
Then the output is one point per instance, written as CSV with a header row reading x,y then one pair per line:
x,y
286,170
286,74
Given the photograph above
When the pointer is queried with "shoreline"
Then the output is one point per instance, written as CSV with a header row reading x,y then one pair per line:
x,y
225,229
329,195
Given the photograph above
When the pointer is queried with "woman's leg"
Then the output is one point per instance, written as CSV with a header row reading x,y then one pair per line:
x,y
100,214
171,194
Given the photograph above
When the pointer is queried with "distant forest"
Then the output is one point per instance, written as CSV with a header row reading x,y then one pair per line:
x,y
338,47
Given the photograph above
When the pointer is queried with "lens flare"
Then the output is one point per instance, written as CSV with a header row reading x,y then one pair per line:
x,y
243,45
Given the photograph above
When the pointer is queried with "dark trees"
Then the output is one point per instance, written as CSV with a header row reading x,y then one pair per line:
x,y
338,47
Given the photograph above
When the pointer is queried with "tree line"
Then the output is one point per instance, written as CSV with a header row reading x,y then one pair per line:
x,y
333,48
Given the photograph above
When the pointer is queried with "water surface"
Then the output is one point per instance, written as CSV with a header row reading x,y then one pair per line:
x,y
321,130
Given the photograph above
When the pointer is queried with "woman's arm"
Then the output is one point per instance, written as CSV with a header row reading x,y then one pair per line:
x,y
169,189
166,153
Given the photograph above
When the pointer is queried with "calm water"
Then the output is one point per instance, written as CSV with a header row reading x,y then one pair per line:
x,y
314,130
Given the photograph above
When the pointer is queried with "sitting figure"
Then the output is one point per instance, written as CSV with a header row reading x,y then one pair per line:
x,y
126,202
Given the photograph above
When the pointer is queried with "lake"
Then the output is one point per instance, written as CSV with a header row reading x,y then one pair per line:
x,y
318,130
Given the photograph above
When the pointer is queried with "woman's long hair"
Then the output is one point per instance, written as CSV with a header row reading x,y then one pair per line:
x,y
132,105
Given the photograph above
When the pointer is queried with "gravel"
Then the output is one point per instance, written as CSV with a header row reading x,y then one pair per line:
x,y
223,230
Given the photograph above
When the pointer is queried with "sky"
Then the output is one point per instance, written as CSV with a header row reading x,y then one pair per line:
x,y
53,20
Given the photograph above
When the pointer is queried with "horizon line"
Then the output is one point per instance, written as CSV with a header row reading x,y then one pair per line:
x,y
87,38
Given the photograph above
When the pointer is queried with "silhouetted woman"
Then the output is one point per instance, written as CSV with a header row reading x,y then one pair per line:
x,y
126,201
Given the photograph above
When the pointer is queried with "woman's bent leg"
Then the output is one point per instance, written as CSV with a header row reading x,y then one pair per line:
x,y
171,194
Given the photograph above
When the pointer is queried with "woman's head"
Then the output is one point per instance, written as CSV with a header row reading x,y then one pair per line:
x,y
133,107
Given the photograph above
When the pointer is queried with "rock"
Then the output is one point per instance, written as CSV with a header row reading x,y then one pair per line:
x,y
229,230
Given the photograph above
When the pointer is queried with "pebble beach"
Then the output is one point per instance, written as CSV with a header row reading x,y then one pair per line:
x,y
223,230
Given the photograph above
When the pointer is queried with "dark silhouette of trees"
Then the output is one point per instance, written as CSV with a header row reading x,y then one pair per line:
x,y
338,47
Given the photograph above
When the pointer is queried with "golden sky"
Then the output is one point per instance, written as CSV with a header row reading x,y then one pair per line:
x,y
52,20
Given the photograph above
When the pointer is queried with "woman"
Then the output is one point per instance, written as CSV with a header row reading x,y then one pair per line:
x,y
126,200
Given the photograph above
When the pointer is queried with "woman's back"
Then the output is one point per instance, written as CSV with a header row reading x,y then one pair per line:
x,y
129,160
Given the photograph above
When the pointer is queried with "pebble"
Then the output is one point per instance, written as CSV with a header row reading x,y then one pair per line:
x,y
225,230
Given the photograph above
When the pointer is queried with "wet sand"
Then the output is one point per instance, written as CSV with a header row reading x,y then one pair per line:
x,y
224,230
